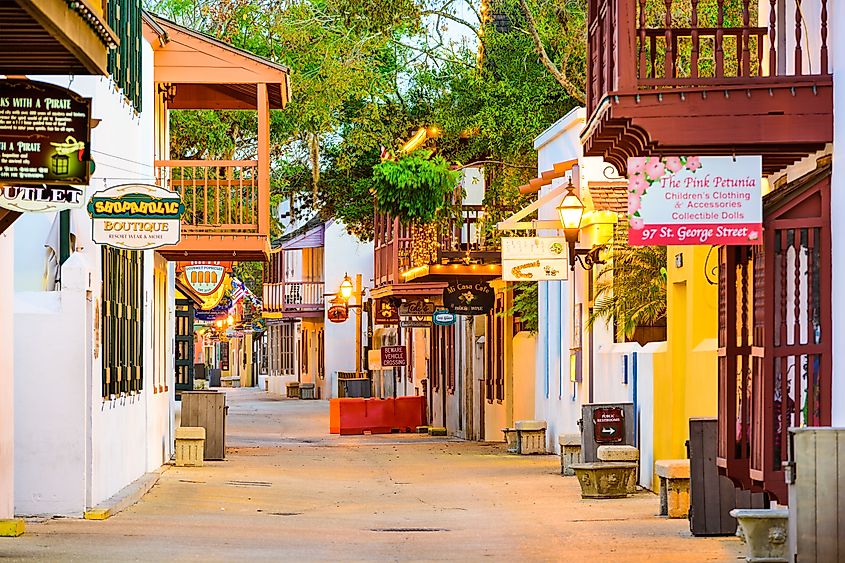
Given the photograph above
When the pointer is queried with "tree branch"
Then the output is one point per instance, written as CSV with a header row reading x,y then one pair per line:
x,y
573,90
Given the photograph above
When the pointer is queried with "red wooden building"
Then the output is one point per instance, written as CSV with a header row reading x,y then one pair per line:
x,y
747,78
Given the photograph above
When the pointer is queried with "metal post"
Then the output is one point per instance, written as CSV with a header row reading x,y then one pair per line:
x,y
360,302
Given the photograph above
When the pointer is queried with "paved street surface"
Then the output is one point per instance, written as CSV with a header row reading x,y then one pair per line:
x,y
289,491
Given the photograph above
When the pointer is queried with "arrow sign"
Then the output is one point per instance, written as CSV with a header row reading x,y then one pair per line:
x,y
609,431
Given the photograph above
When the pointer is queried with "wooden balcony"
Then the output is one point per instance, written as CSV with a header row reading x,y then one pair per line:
x,y
294,299
706,87
406,253
226,214
228,201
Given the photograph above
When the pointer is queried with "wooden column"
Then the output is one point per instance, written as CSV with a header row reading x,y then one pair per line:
x,y
263,160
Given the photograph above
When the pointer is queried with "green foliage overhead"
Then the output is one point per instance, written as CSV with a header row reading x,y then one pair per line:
x,y
631,288
414,188
525,303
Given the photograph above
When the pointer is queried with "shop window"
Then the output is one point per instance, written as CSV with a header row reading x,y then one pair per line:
x,y
123,310
494,368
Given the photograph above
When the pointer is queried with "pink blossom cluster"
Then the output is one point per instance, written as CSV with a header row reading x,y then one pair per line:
x,y
644,171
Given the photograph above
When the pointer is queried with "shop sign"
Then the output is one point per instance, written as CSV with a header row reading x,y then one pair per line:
x,y
41,198
45,133
136,216
385,311
338,313
393,356
415,322
442,317
416,309
462,298
534,258
608,425
708,200
204,279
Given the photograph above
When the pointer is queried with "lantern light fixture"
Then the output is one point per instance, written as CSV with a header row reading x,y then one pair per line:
x,y
346,287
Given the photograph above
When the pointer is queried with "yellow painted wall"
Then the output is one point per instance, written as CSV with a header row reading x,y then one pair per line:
x,y
686,378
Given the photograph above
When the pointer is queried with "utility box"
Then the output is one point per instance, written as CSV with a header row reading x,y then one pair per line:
x,y
605,424
207,409
815,474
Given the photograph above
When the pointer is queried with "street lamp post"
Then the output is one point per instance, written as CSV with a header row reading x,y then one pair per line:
x,y
348,291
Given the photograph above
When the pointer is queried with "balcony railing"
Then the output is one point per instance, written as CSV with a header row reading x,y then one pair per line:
x,y
400,247
627,54
294,297
220,196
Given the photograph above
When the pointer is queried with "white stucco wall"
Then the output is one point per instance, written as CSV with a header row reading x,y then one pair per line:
x,y
96,446
837,202
343,254
7,411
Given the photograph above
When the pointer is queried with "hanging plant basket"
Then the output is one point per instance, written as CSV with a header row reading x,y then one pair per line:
x,y
415,188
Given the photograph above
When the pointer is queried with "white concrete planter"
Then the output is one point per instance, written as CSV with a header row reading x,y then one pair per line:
x,y
765,533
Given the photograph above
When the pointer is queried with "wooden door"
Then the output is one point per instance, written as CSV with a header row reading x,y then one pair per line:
x,y
184,345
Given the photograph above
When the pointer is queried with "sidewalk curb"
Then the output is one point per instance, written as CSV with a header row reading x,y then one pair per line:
x,y
125,497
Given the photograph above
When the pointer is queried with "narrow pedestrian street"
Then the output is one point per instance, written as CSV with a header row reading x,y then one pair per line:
x,y
289,491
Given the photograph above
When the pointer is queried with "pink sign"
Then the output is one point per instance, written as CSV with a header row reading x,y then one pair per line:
x,y
691,200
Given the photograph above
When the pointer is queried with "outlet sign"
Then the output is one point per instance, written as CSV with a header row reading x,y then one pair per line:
x,y
689,200
41,198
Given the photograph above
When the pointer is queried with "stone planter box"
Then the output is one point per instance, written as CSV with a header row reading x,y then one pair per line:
x,y
764,531
674,487
570,452
623,454
604,480
531,435
511,440
190,443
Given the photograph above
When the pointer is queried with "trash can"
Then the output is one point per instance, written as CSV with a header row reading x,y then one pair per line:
x,y
207,409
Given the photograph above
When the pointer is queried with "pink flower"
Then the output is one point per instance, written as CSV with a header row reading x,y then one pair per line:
x,y
753,235
638,184
654,168
637,223
634,203
636,165
693,163
673,163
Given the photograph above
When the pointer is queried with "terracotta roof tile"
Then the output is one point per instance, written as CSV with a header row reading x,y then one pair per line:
x,y
610,197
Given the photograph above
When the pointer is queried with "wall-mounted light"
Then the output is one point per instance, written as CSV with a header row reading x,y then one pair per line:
x,y
571,212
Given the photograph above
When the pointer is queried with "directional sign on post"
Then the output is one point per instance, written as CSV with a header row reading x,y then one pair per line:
x,y
609,424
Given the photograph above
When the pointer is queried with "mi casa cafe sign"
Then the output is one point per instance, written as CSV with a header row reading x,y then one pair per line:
x,y
41,198
688,200
534,258
136,216
45,134
469,298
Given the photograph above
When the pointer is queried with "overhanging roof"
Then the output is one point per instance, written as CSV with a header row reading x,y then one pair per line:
x,y
53,37
208,73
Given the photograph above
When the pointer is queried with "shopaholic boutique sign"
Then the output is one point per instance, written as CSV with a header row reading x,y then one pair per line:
x,y
41,198
136,216
45,134
695,200
465,298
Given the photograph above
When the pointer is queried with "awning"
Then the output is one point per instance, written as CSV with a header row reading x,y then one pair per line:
x,y
559,170
515,223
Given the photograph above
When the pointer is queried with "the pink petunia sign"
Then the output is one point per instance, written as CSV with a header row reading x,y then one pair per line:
x,y
695,200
